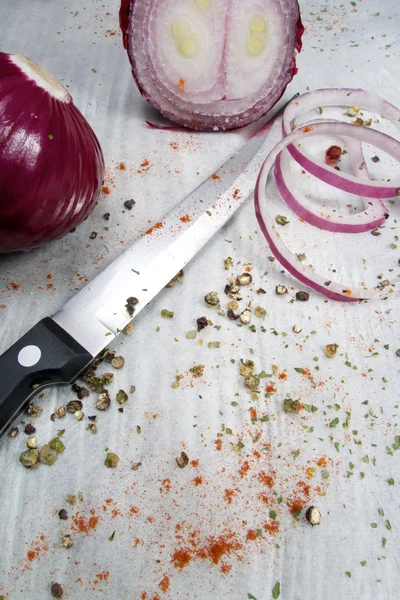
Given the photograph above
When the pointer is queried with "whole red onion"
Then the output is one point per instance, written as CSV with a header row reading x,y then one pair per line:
x,y
51,163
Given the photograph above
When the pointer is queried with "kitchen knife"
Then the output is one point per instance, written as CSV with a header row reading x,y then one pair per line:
x,y
58,349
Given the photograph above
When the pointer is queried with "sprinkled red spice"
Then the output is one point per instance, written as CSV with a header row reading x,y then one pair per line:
x,y
164,584
194,463
272,527
215,176
251,535
218,444
122,166
181,558
229,494
105,189
322,462
83,524
14,285
185,219
158,225
244,468
104,576
198,480
266,479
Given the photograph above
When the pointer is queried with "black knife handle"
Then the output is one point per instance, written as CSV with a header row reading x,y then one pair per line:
x,y
45,355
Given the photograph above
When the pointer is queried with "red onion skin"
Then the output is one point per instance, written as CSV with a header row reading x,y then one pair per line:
x,y
186,115
52,166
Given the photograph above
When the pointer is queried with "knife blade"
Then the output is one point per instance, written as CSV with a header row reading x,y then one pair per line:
x,y
59,348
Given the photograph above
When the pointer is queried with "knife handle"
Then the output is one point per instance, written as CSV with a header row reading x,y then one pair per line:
x,y
45,355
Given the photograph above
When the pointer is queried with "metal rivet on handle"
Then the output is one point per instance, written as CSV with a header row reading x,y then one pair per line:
x,y
29,356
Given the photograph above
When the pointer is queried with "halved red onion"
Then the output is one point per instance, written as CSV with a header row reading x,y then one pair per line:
x,y
51,163
212,64
348,98
289,260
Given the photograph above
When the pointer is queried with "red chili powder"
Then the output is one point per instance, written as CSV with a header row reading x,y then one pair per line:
x,y
105,189
134,510
322,462
272,527
164,584
3,305
266,479
307,129
198,480
218,444
181,558
217,547
282,376
296,505
251,535
185,219
236,194
270,388
181,83
174,145
15,286
229,495
244,468
263,498
166,483
226,568
194,463
215,176
104,576
83,524
122,166
158,225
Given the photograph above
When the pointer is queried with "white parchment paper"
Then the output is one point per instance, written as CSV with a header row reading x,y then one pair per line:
x,y
222,527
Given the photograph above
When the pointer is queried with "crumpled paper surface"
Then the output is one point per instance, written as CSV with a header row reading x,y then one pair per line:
x,y
230,524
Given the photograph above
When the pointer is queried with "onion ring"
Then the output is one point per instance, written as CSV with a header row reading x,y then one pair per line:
x,y
289,261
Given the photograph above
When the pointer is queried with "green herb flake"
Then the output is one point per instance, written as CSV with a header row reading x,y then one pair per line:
x,y
276,590
111,538
348,573
383,542
272,515
334,422
363,563
381,512
251,597
388,525
296,454
374,525
94,70
390,481
234,403
50,136
111,461
299,370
